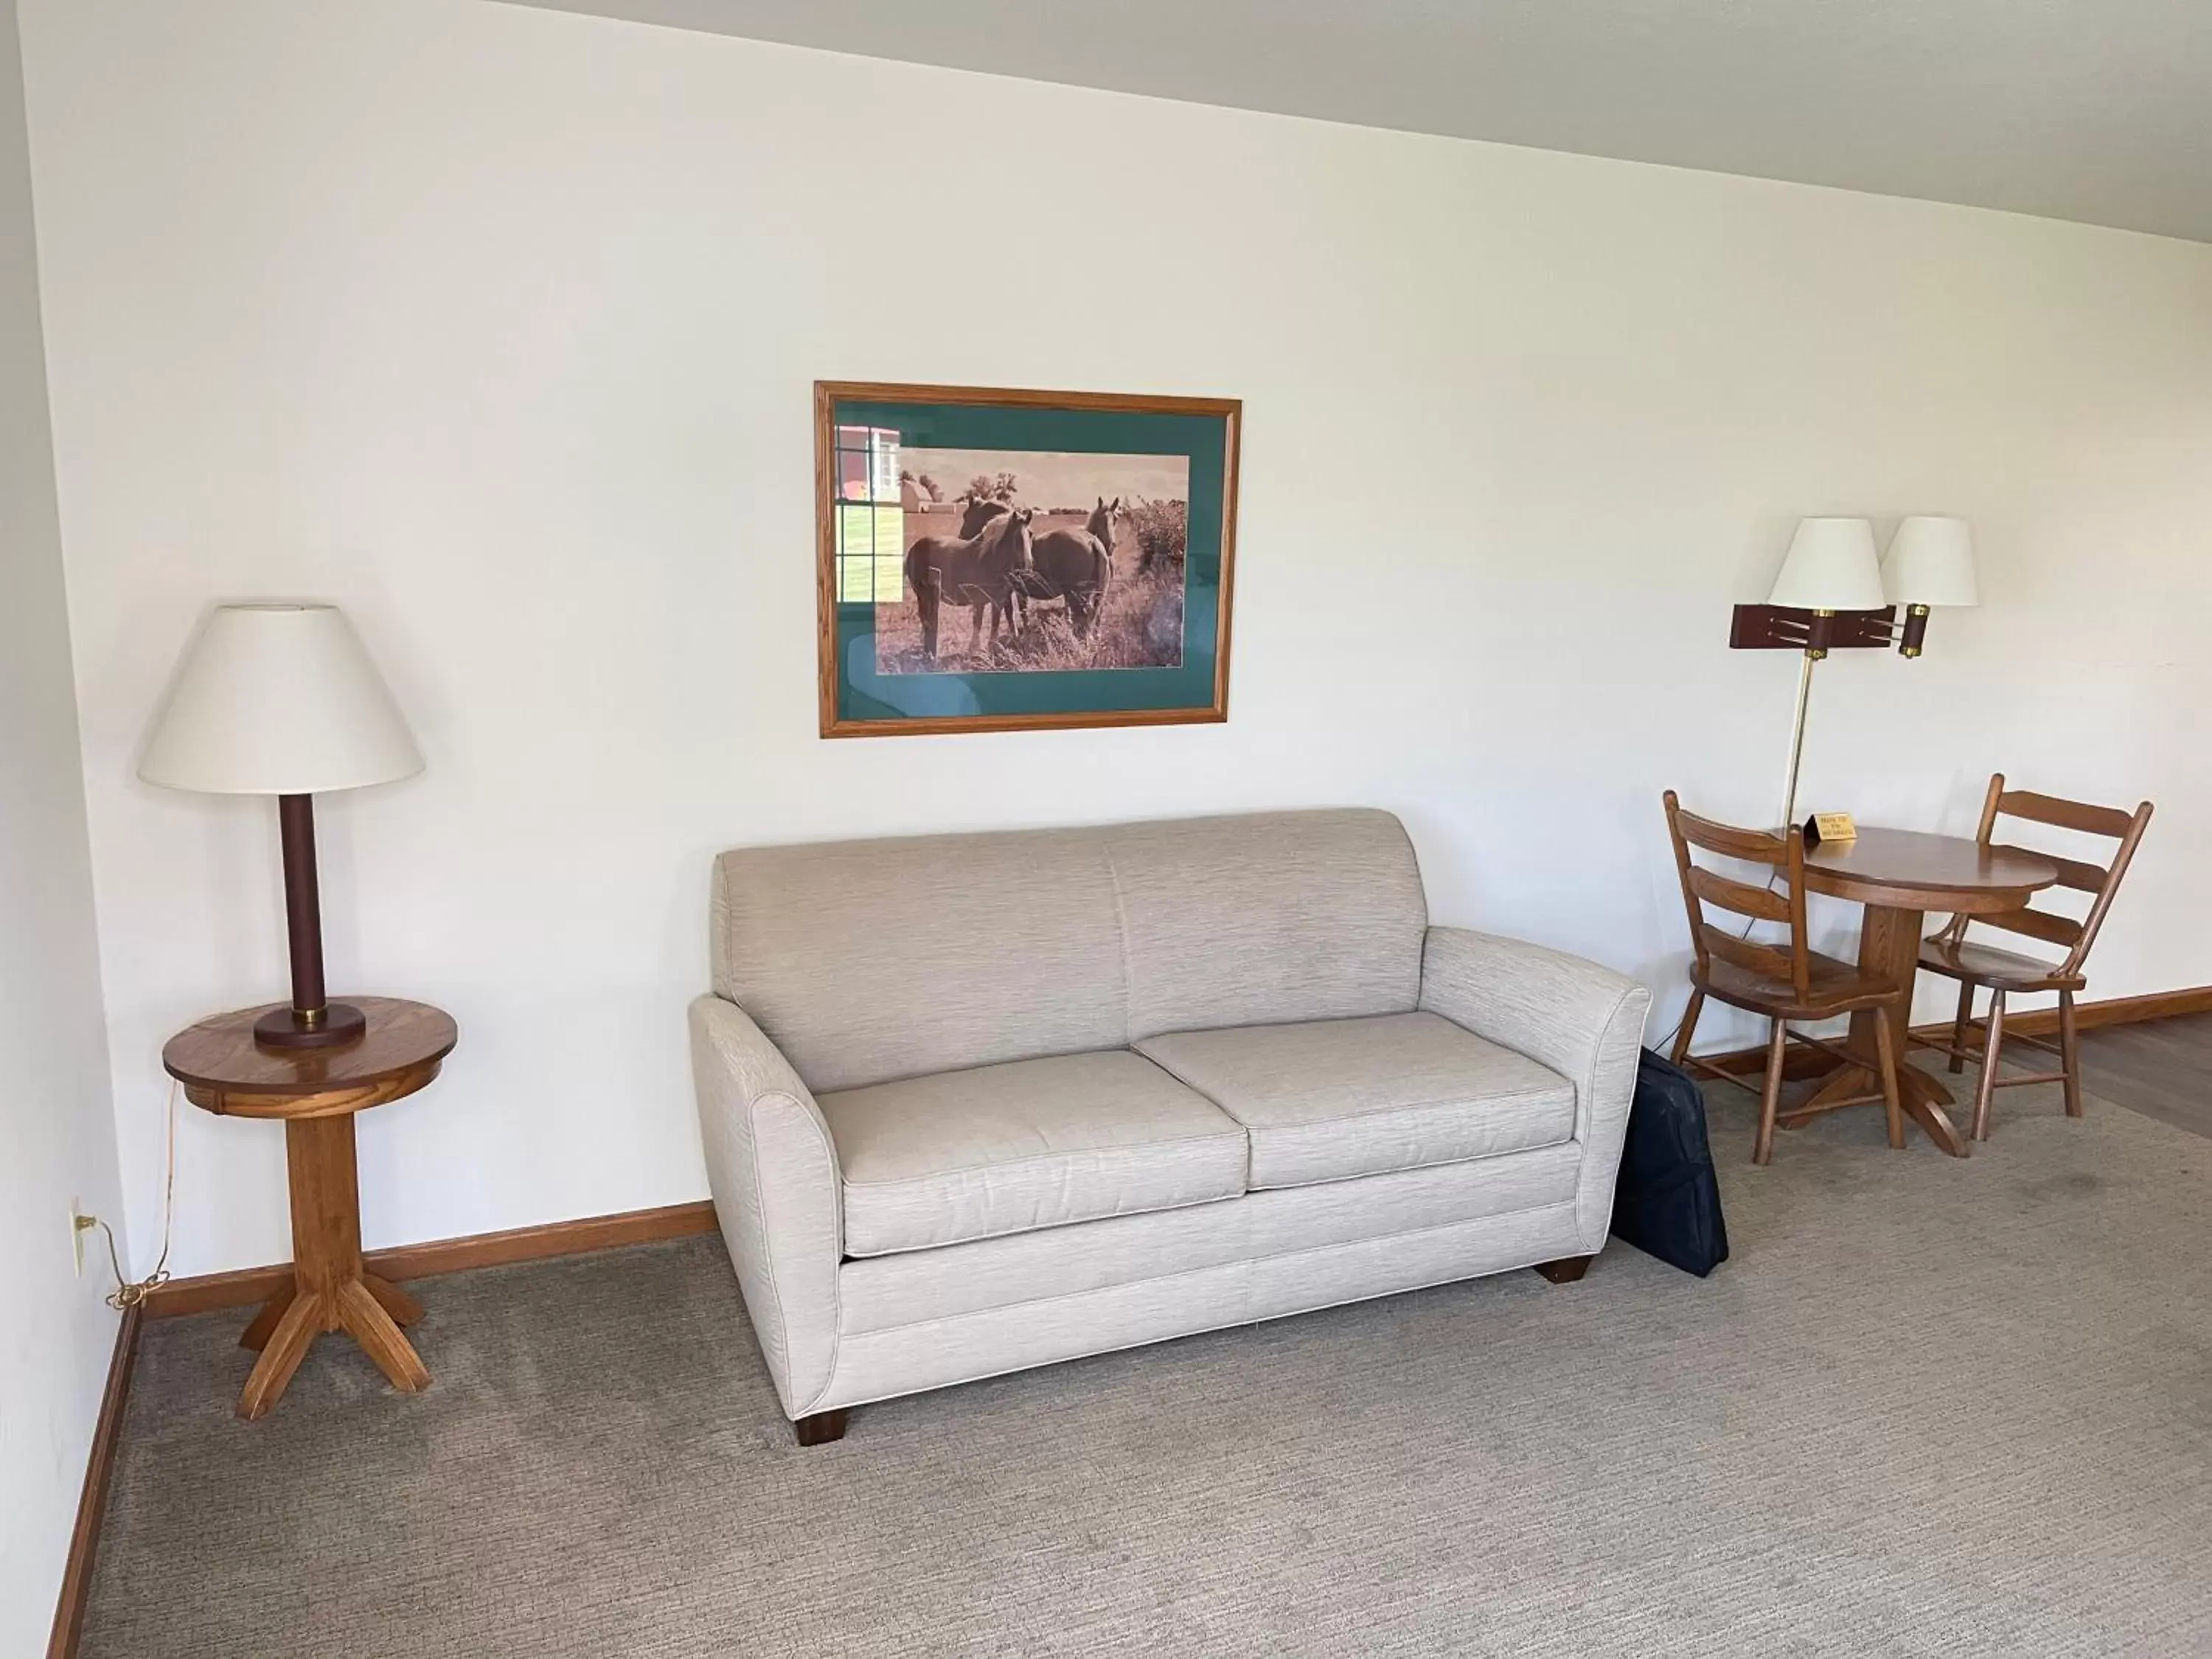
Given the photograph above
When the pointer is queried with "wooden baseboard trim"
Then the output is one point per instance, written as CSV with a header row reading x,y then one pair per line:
x,y
2114,1011
247,1286
2034,1022
92,1502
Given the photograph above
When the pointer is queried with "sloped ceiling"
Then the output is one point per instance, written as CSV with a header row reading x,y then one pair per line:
x,y
2093,110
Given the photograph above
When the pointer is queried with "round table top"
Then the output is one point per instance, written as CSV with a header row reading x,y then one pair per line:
x,y
1910,870
221,1065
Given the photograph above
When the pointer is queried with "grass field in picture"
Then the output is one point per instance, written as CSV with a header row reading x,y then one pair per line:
x,y
1075,613
1138,626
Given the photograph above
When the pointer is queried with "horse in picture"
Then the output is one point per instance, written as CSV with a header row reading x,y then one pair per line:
x,y
1076,566
981,568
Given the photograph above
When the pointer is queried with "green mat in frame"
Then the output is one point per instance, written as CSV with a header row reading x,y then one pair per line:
x,y
993,560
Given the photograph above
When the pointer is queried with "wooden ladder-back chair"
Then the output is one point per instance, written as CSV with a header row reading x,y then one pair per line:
x,y
1784,982
1974,964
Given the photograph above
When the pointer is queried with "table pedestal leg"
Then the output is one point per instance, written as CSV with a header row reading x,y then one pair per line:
x,y
403,1309
256,1336
329,1291
1889,944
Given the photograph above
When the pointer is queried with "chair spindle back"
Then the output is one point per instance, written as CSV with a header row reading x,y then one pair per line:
x,y
1783,851
2102,883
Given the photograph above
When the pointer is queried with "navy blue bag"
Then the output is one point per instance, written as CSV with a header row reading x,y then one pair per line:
x,y
1667,1201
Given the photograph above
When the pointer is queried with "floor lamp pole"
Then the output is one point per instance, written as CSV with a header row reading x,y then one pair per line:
x,y
1798,739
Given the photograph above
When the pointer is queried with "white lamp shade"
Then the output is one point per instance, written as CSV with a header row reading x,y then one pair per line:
x,y
1931,561
1830,566
278,700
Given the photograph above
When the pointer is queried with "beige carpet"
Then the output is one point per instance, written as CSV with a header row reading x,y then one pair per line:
x,y
1931,1407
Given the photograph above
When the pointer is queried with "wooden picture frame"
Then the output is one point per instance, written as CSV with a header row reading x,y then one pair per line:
x,y
1116,614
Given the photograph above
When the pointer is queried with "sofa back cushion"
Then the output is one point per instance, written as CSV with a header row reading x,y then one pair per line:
x,y
1266,917
867,961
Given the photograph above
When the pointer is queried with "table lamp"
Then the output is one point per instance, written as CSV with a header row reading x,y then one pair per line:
x,y
281,699
1930,561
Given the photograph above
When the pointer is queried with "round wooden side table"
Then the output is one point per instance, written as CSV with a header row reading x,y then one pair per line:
x,y
1900,875
316,1091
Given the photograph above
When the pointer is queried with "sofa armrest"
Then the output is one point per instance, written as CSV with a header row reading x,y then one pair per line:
x,y
778,1194
1583,1021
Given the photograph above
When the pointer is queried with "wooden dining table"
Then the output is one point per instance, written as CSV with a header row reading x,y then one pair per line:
x,y
1900,876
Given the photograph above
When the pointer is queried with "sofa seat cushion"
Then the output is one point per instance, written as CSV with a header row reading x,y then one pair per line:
x,y
1034,1143
1329,1099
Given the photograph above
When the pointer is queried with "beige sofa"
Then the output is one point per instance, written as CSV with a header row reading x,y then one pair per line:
x,y
972,1103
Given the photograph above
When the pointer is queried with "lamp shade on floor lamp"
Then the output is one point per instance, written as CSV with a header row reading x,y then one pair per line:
x,y
282,700
1830,566
1930,561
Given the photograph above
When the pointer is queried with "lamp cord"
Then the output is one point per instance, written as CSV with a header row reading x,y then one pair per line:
x,y
129,1293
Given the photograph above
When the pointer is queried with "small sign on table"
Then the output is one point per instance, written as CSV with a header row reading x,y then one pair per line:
x,y
1830,826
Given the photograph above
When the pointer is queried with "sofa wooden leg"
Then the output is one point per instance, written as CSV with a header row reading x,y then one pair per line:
x,y
820,1429
1565,1270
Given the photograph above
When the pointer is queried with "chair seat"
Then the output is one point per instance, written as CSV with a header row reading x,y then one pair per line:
x,y
1984,964
1034,1143
1836,986
1328,1100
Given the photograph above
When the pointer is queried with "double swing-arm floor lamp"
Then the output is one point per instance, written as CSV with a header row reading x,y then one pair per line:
x,y
282,700
1833,592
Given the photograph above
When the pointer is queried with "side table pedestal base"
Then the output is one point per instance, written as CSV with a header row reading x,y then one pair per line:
x,y
331,1291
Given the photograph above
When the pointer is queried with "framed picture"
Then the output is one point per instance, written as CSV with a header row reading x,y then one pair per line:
x,y
992,561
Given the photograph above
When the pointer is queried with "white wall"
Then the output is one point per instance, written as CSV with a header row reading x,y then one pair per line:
x,y
497,326
57,1128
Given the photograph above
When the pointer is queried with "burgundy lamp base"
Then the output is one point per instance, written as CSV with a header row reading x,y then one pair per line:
x,y
287,1028
329,1023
